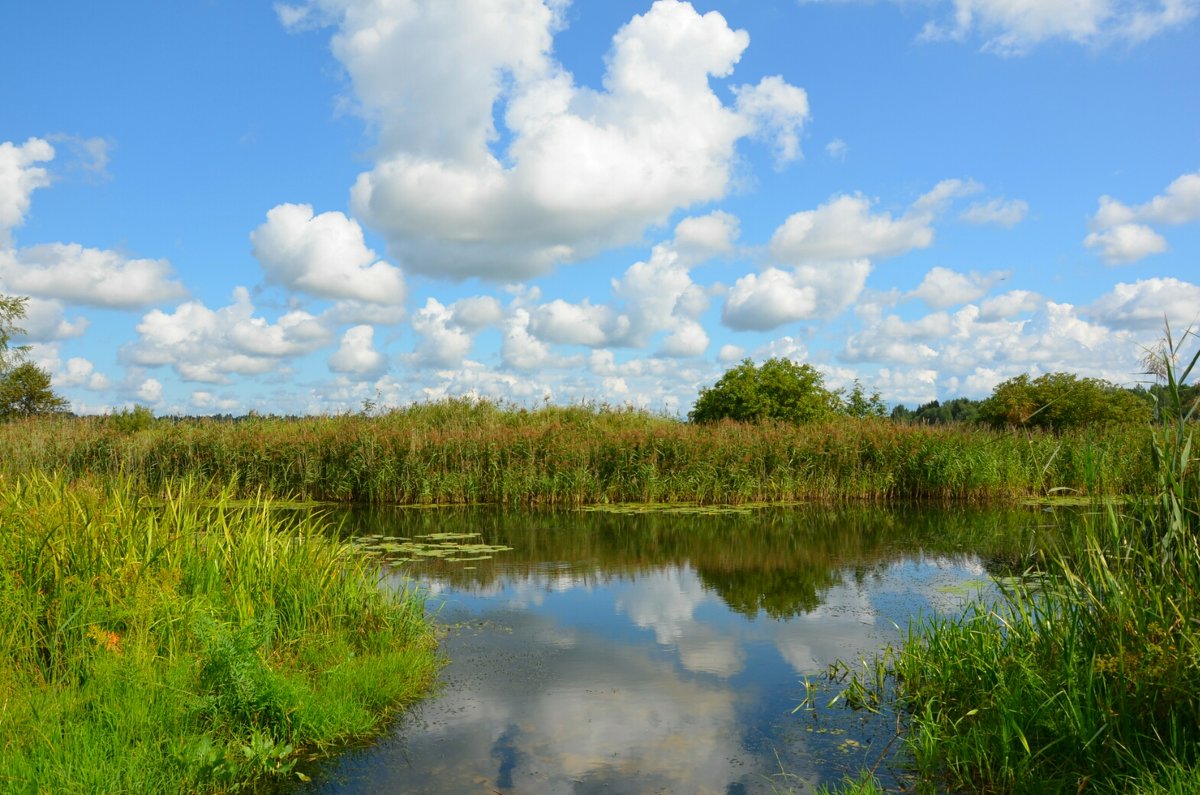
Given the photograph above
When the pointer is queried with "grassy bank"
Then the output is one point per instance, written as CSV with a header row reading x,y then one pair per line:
x,y
186,646
1087,677
476,452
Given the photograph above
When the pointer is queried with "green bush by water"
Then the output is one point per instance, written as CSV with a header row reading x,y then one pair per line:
x,y
180,645
463,451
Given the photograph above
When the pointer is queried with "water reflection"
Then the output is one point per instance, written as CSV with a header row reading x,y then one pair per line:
x,y
658,653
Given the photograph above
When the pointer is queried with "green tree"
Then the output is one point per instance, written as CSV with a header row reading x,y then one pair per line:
x,y
1060,401
779,389
859,404
25,391
24,387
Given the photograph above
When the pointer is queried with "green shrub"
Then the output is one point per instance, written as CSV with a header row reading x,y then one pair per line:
x,y
778,390
138,418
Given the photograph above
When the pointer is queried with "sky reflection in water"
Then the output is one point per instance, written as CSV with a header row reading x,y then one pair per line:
x,y
591,675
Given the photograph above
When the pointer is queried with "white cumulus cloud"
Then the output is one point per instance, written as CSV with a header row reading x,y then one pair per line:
x,y
942,287
86,276
325,256
442,342
775,297
46,321
779,110
571,170
79,372
1126,243
1122,233
211,346
844,227
1146,303
357,355
20,176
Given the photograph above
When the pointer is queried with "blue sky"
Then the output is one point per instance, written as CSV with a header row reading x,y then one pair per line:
x,y
220,206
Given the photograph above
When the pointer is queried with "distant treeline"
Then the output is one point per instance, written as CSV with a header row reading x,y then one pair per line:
x,y
1054,400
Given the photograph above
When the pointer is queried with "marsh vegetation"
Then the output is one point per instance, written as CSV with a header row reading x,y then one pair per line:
x,y
469,452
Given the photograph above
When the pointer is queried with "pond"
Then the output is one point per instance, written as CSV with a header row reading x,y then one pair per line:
x,y
651,651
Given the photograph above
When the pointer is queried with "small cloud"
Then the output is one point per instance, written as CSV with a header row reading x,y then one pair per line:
x,y
150,391
997,212
87,155
778,111
837,149
1122,234
357,355
1126,243
942,287
730,353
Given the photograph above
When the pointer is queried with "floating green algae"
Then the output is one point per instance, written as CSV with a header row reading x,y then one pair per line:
x,y
448,547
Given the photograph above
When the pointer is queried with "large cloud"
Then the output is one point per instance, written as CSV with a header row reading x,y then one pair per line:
x,y
87,276
830,251
573,169
325,256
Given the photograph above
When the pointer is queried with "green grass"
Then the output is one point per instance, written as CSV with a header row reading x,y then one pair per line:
x,y
1086,677
470,452
183,645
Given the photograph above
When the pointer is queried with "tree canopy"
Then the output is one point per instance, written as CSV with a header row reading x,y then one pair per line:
x,y
779,389
1061,401
24,387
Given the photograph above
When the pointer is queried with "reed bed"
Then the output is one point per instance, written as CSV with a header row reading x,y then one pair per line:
x,y
186,645
470,452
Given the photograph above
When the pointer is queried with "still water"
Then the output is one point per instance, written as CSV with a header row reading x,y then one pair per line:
x,y
659,652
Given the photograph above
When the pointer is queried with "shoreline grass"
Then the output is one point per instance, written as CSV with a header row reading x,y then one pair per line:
x,y
473,452
1086,676
187,645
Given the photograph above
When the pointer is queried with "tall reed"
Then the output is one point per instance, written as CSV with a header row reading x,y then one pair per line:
x,y
464,451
